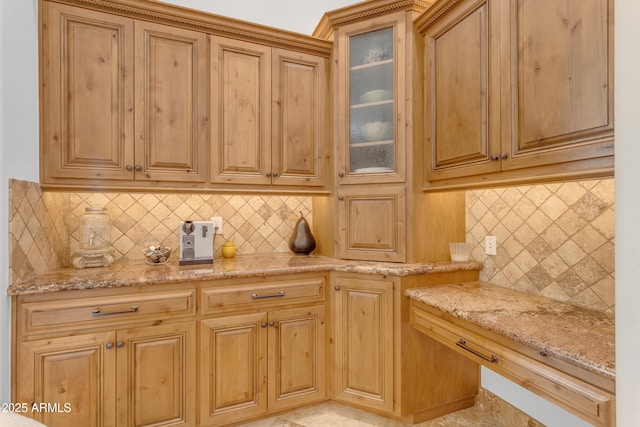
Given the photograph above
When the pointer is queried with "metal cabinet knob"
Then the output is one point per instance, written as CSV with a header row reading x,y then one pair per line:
x,y
268,173
119,344
138,168
128,168
272,323
340,198
503,155
494,157
340,174
275,173
337,288
109,345
264,324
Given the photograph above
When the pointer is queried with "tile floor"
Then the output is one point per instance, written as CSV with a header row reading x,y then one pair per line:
x,y
490,411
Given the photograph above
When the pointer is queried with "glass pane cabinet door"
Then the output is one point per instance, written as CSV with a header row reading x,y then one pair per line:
x,y
371,102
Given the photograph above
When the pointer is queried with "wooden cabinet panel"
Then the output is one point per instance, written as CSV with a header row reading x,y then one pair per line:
x,y
240,111
77,370
87,74
300,147
171,103
462,104
296,357
371,223
561,58
363,319
233,367
156,373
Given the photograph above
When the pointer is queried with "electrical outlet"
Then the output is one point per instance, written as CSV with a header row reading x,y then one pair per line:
x,y
490,245
217,222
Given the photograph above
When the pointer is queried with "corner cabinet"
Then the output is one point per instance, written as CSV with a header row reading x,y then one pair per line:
x,y
378,209
517,91
268,115
108,113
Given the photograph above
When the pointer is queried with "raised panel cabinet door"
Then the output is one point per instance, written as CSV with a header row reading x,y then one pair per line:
x,y
74,376
233,375
171,103
87,94
240,112
561,59
363,322
300,149
462,97
371,100
296,358
156,377
371,223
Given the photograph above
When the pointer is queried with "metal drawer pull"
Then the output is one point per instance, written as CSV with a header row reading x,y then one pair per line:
x,y
96,312
491,359
279,294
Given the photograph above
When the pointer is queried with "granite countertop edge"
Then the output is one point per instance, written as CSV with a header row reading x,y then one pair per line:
x,y
579,336
136,273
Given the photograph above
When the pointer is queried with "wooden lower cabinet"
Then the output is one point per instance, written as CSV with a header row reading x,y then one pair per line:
x,y
133,377
381,364
256,363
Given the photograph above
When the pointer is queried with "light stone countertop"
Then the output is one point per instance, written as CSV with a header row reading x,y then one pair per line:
x,y
135,273
576,335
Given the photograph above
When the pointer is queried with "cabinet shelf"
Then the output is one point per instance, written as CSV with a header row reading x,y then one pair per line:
x,y
371,64
371,143
372,104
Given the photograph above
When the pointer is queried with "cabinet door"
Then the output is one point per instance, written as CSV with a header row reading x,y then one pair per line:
x,y
370,100
561,59
171,104
462,98
240,112
233,359
371,223
87,72
296,357
76,374
300,149
363,322
156,375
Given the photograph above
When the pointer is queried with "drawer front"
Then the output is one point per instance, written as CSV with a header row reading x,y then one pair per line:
x,y
81,313
584,400
262,294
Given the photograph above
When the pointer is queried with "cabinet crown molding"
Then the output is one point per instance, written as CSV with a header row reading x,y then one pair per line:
x,y
362,11
208,22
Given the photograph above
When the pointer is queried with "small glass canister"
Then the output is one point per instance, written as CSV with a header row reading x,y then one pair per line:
x,y
95,239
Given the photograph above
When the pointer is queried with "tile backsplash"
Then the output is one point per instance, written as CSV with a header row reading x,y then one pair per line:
x,y
555,240
44,233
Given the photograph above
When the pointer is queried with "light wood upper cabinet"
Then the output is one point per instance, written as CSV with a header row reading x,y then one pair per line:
x,y
240,112
300,148
171,103
268,115
371,223
517,91
108,116
87,94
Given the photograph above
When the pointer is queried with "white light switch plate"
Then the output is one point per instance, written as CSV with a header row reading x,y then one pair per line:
x,y
490,245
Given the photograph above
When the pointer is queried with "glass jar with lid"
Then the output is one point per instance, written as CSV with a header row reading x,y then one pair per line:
x,y
95,228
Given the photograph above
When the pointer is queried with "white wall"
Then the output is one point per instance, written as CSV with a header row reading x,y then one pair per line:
x,y
19,159
18,138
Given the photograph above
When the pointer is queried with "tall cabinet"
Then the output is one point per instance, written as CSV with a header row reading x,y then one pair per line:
x,y
377,200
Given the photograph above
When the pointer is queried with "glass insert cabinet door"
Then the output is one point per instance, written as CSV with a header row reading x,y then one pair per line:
x,y
371,102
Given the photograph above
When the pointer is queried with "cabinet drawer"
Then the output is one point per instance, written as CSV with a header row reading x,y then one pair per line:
x,y
259,294
83,313
583,399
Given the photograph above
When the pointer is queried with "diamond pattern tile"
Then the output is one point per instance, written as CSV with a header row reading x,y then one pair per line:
x,y
43,227
555,240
